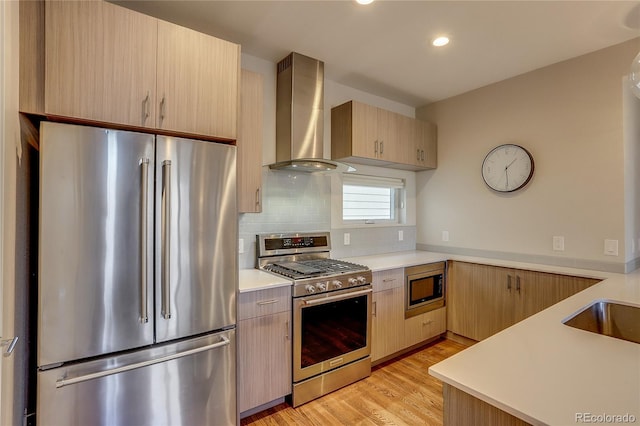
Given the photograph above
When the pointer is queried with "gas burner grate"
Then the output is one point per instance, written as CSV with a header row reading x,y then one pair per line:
x,y
313,268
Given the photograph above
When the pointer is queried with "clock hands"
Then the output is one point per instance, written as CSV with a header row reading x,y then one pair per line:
x,y
506,173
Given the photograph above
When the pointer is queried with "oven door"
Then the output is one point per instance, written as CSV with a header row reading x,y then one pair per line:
x,y
330,330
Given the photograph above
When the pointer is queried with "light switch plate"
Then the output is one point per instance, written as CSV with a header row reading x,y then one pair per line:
x,y
347,238
241,245
400,235
445,235
611,247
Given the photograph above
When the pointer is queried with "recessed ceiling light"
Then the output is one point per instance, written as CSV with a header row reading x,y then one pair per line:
x,y
364,1
440,41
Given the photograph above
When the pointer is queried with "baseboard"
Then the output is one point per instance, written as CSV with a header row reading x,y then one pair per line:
x,y
407,350
262,407
460,339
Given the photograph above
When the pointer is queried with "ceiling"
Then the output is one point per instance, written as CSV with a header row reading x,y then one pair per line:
x,y
384,48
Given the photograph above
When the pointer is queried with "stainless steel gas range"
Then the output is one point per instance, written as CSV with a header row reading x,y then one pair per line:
x,y
331,312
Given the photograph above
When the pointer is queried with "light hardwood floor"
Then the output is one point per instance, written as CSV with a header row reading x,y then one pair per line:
x,y
399,392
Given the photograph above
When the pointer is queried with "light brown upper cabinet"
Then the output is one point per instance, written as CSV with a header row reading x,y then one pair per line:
x,y
425,146
98,62
354,132
366,134
197,82
250,143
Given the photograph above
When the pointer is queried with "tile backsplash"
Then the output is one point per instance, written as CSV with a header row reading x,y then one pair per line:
x,y
368,241
291,202
301,202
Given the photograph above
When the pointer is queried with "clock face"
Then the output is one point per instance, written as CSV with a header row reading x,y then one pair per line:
x,y
507,168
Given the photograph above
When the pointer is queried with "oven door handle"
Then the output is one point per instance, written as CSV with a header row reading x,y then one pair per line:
x,y
339,296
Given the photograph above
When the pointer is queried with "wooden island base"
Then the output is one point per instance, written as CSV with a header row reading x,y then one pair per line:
x,y
460,408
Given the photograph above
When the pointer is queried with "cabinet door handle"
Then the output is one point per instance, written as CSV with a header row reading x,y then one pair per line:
x,y
418,154
422,154
10,344
267,302
427,322
258,197
381,147
518,283
388,280
162,108
145,108
375,309
509,282
286,330
375,148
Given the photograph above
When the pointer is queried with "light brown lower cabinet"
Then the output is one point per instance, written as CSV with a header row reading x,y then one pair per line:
x,y
483,300
391,332
264,347
388,323
424,326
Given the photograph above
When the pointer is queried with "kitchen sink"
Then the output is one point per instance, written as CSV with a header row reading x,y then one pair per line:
x,y
610,318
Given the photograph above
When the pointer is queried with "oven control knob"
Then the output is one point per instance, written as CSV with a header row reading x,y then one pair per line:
x,y
361,280
321,286
353,281
310,289
337,284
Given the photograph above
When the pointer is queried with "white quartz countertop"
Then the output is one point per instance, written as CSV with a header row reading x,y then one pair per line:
x,y
255,279
381,262
547,373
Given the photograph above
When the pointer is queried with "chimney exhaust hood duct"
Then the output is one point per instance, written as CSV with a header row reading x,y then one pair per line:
x,y
300,117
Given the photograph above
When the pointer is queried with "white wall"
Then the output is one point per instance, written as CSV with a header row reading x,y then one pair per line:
x,y
569,116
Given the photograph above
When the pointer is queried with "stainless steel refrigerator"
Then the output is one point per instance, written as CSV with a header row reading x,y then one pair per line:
x,y
137,279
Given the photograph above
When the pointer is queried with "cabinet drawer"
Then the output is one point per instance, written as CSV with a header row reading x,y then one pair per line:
x,y
425,326
264,302
386,280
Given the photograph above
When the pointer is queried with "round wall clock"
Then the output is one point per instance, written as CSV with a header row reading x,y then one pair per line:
x,y
507,168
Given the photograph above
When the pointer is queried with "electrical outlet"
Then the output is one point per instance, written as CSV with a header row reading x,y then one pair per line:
x,y
558,243
445,235
611,247
347,238
241,245
400,235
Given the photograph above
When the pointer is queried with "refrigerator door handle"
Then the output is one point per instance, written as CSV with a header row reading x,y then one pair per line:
x,y
144,195
74,380
166,233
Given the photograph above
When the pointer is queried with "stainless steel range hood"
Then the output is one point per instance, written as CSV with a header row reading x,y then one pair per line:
x,y
300,116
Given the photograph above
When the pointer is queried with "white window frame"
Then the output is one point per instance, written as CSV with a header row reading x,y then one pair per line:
x,y
397,195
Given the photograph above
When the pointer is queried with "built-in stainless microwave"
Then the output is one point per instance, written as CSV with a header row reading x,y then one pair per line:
x,y
424,288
